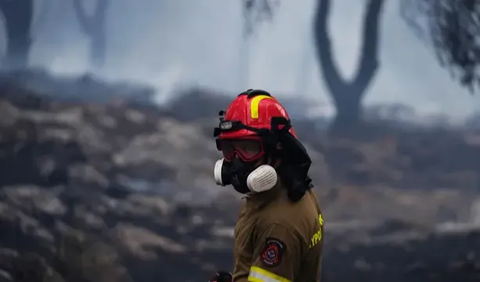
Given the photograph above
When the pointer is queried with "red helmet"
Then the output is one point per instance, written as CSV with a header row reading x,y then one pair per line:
x,y
251,116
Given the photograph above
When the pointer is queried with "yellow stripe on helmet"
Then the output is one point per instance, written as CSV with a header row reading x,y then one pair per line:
x,y
254,105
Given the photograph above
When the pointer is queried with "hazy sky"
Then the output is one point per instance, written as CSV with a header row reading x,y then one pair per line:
x,y
168,42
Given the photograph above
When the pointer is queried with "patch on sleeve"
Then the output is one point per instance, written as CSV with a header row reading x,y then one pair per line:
x,y
272,252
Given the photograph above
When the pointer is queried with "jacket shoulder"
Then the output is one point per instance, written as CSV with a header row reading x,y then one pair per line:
x,y
301,218
291,214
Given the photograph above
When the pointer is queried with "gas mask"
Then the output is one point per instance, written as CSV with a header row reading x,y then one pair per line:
x,y
245,177
243,141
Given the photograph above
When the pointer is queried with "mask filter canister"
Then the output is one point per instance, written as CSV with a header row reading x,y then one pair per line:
x,y
220,174
262,179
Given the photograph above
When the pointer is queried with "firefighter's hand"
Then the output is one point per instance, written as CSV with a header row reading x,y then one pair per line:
x,y
221,276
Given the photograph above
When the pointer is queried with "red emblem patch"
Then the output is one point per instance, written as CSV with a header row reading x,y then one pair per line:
x,y
272,252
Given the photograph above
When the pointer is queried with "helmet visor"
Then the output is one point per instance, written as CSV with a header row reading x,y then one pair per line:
x,y
246,149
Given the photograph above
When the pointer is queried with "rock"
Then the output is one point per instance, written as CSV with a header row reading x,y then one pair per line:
x,y
34,199
142,242
10,114
86,258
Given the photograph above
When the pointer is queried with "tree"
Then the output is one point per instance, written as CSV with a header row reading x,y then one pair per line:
x,y
20,27
18,17
347,95
94,26
453,28
255,12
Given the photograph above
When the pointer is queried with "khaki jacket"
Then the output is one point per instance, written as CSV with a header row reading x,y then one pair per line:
x,y
277,240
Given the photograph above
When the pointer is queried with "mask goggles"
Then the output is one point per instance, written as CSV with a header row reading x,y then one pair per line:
x,y
248,148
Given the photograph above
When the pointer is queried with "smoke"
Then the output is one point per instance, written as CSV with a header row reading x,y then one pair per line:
x,y
176,43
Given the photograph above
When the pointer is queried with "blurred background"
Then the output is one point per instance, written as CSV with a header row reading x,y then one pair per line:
x,y
107,111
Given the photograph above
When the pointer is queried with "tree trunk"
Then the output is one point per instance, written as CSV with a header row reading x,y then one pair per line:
x,y
98,51
17,51
254,13
347,95
18,20
94,26
349,112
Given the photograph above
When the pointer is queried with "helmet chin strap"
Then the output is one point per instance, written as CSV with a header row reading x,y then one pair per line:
x,y
273,156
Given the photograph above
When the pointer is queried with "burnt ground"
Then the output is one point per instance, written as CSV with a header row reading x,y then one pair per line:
x,y
123,192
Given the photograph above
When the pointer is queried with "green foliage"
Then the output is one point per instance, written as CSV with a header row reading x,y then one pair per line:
x,y
453,28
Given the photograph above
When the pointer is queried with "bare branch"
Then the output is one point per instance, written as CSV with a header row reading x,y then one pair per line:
x,y
96,20
257,11
41,16
100,13
369,54
84,20
323,45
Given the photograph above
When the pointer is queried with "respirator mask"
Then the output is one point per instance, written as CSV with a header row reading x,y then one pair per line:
x,y
245,177
243,165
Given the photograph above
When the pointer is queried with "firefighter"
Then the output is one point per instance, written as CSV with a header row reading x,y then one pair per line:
x,y
279,233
